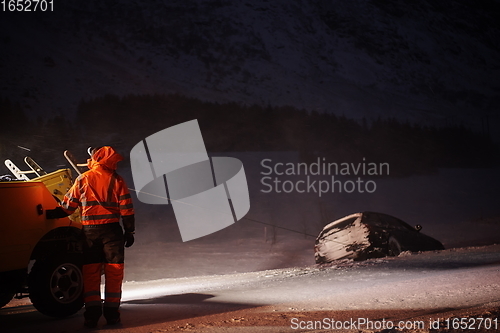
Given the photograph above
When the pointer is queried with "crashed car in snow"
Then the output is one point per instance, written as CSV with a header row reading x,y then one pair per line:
x,y
370,235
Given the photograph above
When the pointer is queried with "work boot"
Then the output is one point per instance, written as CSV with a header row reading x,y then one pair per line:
x,y
112,315
92,315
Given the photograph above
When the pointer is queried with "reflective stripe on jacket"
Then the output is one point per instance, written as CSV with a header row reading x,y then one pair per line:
x,y
100,192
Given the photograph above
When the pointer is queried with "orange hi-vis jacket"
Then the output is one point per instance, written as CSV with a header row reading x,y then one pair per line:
x,y
100,191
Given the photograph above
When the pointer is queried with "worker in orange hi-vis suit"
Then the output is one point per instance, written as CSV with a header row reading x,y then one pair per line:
x,y
103,198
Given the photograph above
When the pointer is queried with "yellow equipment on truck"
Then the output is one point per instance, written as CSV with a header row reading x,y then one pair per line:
x,y
39,256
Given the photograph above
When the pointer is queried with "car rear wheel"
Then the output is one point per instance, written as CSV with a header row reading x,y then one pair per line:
x,y
394,247
319,259
56,285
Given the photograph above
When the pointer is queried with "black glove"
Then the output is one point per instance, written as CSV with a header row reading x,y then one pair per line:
x,y
57,213
128,223
129,239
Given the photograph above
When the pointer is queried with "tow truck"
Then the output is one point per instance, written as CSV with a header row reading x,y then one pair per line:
x,y
40,258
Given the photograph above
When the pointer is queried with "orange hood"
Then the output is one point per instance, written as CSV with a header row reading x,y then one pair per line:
x,y
105,156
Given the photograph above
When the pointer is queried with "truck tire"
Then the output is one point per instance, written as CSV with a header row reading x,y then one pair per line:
x,y
56,285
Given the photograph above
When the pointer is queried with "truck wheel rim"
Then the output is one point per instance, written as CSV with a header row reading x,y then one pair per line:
x,y
66,283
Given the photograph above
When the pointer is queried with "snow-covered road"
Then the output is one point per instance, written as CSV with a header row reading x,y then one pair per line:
x,y
426,285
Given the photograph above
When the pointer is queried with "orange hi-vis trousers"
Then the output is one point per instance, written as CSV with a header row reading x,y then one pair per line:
x,y
113,274
103,250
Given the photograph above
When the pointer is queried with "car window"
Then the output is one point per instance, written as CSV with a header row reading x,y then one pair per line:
x,y
394,223
375,220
